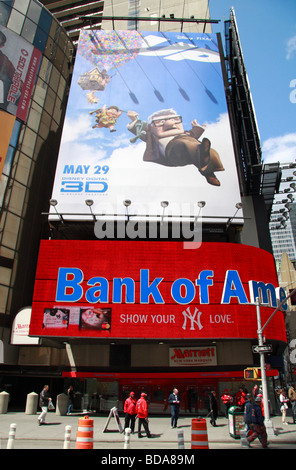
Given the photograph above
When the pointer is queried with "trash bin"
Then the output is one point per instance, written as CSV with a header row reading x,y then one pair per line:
x,y
236,422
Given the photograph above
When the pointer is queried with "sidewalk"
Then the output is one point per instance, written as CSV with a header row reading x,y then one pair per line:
x,y
29,435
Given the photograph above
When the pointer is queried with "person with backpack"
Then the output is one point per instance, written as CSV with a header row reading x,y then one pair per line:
x,y
142,413
255,421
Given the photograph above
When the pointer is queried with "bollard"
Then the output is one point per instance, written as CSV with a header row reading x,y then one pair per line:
x,y
199,434
11,437
84,439
127,433
4,399
32,403
181,439
62,404
67,437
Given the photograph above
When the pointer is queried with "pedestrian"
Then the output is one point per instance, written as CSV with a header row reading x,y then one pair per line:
x,y
142,413
284,400
70,393
256,424
227,401
213,408
241,398
44,401
292,398
174,401
248,413
130,412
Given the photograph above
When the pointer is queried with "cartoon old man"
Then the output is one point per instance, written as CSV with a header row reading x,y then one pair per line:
x,y
167,143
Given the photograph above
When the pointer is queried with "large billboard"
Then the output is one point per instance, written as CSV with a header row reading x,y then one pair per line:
x,y
150,290
147,122
19,62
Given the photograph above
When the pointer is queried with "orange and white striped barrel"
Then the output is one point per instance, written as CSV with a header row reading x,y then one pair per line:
x,y
85,433
199,434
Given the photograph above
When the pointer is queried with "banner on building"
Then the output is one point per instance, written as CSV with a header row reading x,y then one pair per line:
x,y
6,128
193,356
151,290
147,122
19,62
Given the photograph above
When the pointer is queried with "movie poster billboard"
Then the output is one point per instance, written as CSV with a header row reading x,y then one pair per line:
x,y
19,62
153,289
146,121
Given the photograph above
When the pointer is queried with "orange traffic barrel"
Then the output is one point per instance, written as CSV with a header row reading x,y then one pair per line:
x,y
199,434
85,433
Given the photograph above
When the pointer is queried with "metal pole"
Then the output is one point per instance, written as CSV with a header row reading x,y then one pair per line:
x,y
267,420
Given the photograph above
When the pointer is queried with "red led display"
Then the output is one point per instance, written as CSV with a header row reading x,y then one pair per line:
x,y
144,289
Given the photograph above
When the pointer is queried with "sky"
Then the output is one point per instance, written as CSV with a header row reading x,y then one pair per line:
x,y
267,30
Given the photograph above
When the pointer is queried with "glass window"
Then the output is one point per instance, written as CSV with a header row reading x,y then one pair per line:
x,y
6,252
4,13
28,143
38,147
8,160
23,169
57,110
55,30
3,184
17,197
40,39
61,89
29,30
49,101
54,79
34,116
11,230
45,126
3,298
40,92
16,21
34,11
45,69
45,20
59,59
21,5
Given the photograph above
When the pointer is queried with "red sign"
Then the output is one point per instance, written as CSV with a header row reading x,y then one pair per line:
x,y
144,289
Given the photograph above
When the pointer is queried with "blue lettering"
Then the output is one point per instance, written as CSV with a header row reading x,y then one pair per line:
x,y
69,279
98,293
203,282
233,288
264,292
281,296
72,186
152,289
69,169
90,189
118,283
189,288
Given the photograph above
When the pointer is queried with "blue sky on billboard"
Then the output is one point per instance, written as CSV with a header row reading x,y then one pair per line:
x,y
132,75
267,30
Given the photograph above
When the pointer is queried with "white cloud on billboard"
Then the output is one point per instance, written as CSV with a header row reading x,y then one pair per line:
x,y
280,149
291,47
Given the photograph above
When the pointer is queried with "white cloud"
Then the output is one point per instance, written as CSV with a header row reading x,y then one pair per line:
x,y
291,47
76,129
280,149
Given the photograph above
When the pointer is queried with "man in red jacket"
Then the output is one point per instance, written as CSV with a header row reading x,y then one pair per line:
x,y
130,412
142,412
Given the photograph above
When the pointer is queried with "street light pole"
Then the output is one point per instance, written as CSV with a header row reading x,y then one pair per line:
x,y
267,420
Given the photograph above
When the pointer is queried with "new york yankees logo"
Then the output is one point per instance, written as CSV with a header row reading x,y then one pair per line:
x,y
192,317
